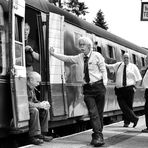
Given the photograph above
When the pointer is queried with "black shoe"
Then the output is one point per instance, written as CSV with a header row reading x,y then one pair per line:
x,y
97,142
92,142
36,141
145,130
135,122
125,125
45,138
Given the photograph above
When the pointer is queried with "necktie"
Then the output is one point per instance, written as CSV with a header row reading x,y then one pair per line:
x,y
124,76
86,72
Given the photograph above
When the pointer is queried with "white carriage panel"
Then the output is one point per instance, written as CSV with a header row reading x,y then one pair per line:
x,y
98,40
55,70
55,61
55,79
56,40
56,21
54,34
75,31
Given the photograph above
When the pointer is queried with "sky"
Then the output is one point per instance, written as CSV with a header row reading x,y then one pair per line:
x,y
122,17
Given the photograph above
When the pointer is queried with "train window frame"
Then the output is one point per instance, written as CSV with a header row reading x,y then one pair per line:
x,y
122,52
19,56
3,43
143,61
134,59
111,51
96,47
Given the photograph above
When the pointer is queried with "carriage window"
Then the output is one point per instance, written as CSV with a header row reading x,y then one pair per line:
x,y
2,43
110,51
134,58
97,47
122,52
18,41
142,61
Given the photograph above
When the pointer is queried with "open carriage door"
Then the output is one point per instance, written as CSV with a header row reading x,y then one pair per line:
x,y
56,67
17,61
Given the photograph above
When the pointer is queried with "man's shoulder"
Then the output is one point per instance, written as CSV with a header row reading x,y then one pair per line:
x,y
97,54
132,64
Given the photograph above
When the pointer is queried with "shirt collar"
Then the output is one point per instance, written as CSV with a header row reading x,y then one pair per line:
x,y
88,55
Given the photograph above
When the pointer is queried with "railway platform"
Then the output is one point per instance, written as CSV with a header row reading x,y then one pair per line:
x,y
115,135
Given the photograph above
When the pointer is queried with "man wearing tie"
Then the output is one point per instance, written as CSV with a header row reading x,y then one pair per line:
x,y
95,80
145,85
127,78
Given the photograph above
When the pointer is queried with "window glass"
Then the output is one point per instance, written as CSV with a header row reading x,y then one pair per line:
x,y
134,58
122,52
142,61
110,52
18,42
2,44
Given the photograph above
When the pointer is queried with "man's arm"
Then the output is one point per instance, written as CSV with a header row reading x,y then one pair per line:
x,y
104,71
35,55
64,58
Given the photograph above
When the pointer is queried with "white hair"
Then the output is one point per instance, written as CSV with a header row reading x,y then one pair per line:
x,y
86,41
33,75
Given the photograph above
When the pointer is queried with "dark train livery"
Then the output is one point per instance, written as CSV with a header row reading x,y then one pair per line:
x,y
61,84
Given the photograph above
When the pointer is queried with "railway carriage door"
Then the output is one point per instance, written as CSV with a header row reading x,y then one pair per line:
x,y
56,67
17,61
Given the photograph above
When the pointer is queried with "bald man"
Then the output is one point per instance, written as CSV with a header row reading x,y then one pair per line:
x,y
127,78
39,112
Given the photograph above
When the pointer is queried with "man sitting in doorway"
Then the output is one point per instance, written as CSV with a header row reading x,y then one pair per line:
x,y
39,112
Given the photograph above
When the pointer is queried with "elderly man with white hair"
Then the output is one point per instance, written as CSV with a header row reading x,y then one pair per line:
x,y
95,79
127,78
39,112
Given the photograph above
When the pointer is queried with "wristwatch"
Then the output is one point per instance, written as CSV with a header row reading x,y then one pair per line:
x,y
31,50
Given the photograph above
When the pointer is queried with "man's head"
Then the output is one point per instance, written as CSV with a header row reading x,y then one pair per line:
x,y
33,79
85,45
27,30
126,58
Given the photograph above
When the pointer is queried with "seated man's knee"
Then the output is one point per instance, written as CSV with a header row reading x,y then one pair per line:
x,y
34,111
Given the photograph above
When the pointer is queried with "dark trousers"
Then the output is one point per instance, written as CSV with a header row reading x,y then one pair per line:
x,y
125,97
38,121
146,107
94,97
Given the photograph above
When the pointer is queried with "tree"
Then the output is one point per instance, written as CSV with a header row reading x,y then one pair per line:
x,y
56,3
99,20
72,6
76,7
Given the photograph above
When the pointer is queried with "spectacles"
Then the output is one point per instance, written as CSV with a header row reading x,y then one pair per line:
x,y
82,44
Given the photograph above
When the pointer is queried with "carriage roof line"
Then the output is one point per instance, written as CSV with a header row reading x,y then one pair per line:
x,y
45,6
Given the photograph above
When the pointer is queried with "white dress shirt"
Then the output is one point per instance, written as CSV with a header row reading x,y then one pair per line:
x,y
132,73
96,65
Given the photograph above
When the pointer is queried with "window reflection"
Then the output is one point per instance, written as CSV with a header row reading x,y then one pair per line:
x,y
18,42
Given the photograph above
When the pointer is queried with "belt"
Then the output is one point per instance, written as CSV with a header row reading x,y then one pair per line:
x,y
93,83
127,87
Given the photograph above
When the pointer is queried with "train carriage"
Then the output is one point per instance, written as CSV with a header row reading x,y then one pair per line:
x,y
61,83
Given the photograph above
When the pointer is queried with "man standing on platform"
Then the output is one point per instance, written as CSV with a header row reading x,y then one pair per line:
x,y
127,78
145,85
95,79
